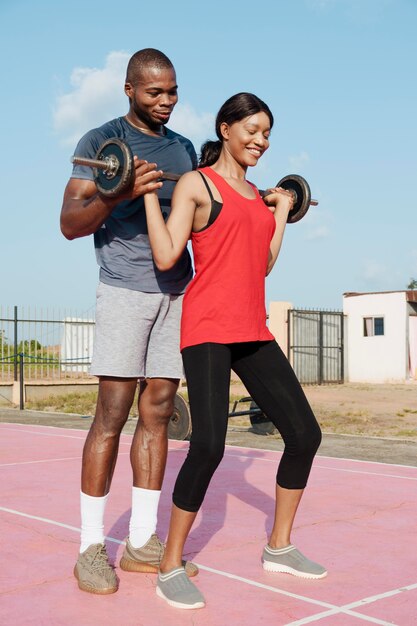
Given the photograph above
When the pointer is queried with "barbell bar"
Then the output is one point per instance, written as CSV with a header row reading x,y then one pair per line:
x,y
114,172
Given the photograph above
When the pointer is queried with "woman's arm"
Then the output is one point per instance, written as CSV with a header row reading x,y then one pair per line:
x,y
281,202
169,239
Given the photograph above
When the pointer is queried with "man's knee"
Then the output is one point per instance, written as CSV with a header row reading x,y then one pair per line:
x,y
156,402
115,398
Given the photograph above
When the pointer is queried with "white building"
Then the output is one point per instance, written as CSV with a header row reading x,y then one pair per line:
x,y
381,343
77,344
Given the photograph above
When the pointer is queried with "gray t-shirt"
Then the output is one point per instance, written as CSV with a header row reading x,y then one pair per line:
x,y
122,243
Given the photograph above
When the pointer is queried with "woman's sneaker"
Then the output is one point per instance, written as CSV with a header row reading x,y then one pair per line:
x,y
177,589
290,560
94,572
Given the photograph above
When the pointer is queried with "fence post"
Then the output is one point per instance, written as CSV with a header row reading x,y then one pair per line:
x,y
320,347
22,382
342,348
15,342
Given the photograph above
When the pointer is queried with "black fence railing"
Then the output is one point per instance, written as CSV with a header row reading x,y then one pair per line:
x,y
54,344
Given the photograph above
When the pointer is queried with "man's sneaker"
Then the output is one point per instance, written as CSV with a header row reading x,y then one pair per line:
x,y
291,561
94,572
177,589
148,558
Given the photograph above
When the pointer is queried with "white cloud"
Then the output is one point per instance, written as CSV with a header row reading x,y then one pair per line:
x,y
297,162
317,232
97,96
373,271
198,127
317,224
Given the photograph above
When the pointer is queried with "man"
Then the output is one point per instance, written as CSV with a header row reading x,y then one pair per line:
x,y
137,319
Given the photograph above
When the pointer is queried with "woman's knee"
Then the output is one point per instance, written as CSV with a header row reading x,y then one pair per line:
x,y
206,454
305,442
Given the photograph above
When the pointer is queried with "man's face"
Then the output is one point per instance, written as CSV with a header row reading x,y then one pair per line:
x,y
153,96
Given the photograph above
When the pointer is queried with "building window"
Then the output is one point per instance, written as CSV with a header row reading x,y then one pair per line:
x,y
373,326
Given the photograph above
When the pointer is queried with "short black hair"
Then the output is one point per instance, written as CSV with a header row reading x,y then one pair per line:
x,y
148,57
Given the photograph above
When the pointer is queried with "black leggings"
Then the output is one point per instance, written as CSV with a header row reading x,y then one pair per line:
x,y
270,380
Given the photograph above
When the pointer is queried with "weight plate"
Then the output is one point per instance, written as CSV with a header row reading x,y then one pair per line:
x,y
179,426
112,184
261,425
301,187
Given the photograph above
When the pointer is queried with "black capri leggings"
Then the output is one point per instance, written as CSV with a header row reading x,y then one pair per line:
x,y
272,383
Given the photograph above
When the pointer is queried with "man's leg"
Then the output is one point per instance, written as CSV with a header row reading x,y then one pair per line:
x,y
115,397
144,549
149,449
148,455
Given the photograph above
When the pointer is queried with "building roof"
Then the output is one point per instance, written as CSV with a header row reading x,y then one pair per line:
x,y
410,294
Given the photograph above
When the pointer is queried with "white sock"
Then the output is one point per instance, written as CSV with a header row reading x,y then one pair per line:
x,y
144,515
92,519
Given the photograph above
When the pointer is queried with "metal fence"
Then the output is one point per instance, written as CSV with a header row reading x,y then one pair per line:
x,y
44,344
316,345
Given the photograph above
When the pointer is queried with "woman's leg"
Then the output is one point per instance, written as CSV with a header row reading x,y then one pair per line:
x,y
272,383
207,370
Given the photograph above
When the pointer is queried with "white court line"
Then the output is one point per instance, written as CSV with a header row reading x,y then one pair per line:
x,y
333,469
69,458
229,453
333,609
229,446
330,458
359,603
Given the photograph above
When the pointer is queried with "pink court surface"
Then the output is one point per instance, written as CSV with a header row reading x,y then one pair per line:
x,y
357,518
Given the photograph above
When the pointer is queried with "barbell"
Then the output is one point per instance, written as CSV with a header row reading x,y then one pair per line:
x,y
114,173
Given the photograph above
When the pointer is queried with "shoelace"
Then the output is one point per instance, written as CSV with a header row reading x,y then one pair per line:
x,y
99,561
161,546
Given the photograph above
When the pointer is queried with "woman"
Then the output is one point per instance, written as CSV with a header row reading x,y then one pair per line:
x,y
236,239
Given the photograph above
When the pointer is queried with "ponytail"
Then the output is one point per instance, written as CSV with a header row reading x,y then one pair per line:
x,y
210,152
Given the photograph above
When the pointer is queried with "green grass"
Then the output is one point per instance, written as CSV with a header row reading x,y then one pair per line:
x,y
85,403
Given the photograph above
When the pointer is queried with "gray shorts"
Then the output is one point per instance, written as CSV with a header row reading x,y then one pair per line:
x,y
137,334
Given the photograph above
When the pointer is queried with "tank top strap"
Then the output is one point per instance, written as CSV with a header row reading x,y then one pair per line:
x,y
206,185
218,180
224,187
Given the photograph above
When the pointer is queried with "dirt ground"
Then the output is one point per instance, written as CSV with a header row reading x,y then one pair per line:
x,y
362,409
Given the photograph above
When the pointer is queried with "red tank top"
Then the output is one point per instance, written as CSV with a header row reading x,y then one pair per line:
x,y
225,301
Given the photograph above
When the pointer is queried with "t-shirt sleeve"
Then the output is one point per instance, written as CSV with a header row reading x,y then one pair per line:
x,y
87,147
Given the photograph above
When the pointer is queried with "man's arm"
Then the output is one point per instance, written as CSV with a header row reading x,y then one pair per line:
x,y
84,210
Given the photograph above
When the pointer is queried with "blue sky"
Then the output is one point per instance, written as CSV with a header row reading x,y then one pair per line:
x,y
339,76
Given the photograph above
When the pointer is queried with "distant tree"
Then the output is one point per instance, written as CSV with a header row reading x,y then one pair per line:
x,y
3,338
29,347
412,284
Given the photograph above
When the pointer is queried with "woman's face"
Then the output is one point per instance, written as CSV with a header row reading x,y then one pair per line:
x,y
247,139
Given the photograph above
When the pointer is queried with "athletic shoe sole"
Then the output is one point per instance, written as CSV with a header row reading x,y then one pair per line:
x,y
179,605
285,569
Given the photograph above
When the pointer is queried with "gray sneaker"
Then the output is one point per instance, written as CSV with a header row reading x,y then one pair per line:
x,y
176,588
94,572
147,558
290,560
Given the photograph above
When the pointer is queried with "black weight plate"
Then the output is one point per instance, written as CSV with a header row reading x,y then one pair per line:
x,y
261,425
115,183
301,187
179,426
